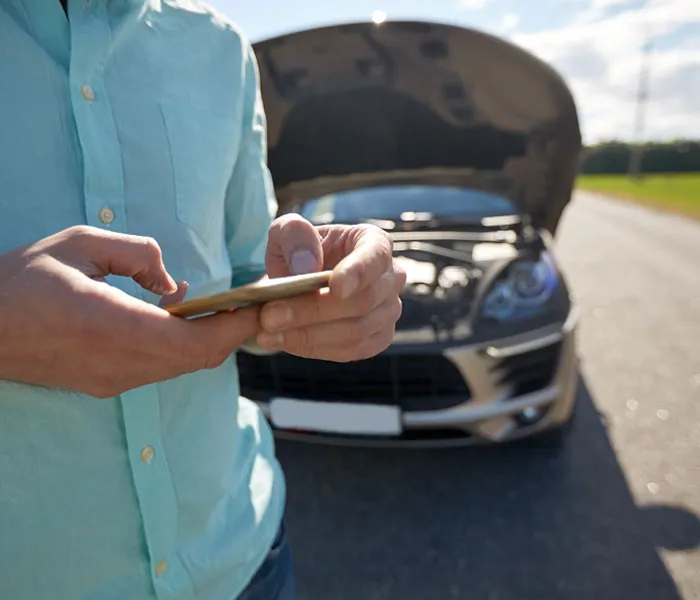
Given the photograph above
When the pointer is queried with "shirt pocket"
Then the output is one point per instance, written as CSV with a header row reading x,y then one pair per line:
x,y
203,148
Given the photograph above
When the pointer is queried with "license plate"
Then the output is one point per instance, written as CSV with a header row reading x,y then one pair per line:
x,y
336,417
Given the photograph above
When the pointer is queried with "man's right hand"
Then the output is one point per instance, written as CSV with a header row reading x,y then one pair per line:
x,y
62,326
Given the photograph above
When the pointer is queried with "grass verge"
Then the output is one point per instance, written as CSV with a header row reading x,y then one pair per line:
x,y
674,192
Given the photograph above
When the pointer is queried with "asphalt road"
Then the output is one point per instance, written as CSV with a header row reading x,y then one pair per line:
x,y
613,516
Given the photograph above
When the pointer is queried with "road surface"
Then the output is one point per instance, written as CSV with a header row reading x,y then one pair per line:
x,y
615,516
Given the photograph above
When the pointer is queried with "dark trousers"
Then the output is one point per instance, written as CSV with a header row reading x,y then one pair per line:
x,y
274,579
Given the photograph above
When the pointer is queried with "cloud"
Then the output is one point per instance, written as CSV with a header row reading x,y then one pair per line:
x,y
472,4
509,22
599,8
600,57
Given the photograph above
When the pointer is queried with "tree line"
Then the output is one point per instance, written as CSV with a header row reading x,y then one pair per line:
x,y
614,157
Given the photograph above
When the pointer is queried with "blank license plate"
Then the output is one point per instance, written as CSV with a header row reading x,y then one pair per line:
x,y
332,417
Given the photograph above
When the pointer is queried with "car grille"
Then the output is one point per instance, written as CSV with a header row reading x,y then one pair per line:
x,y
412,381
530,371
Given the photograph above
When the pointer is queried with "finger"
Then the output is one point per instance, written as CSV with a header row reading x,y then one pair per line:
x,y
185,345
323,307
212,339
369,256
99,253
350,332
368,348
178,296
293,247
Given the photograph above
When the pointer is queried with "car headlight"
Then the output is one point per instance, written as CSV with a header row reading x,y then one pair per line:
x,y
524,287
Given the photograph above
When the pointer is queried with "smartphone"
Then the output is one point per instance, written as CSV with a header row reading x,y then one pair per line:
x,y
253,293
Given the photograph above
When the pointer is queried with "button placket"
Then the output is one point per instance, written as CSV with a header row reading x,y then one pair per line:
x,y
154,488
147,455
97,129
105,206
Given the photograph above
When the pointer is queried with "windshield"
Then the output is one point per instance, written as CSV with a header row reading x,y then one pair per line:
x,y
405,203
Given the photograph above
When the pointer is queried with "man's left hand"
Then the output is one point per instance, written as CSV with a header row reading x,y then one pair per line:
x,y
353,320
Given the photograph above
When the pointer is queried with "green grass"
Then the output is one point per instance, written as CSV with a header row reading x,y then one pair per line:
x,y
678,193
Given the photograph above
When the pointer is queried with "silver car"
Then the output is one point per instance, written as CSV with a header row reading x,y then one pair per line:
x,y
465,148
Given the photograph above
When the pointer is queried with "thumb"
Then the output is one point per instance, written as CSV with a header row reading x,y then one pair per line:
x,y
293,247
223,332
98,253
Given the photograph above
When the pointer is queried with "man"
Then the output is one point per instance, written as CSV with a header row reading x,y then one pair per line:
x,y
132,156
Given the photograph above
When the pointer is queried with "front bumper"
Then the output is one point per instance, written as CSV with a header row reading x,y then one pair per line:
x,y
496,410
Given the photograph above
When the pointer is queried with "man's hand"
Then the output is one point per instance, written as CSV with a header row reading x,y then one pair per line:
x,y
62,326
356,318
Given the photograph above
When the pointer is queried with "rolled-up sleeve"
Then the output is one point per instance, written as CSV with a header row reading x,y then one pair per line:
x,y
250,203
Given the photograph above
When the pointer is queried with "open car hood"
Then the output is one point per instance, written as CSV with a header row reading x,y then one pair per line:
x,y
361,105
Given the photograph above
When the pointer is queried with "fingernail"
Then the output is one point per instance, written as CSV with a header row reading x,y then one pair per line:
x,y
270,340
276,316
348,285
302,261
180,289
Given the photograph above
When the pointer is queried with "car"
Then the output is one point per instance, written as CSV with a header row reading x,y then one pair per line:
x,y
464,148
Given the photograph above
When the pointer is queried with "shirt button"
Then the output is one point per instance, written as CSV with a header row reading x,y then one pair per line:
x,y
106,215
88,93
161,568
147,455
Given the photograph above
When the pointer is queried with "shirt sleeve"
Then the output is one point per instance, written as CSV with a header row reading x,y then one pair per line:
x,y
250,198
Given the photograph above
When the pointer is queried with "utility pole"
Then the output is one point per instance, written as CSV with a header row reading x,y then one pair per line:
x,y
635,161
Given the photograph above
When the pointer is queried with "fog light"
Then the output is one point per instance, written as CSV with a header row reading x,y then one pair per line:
x,y
530,415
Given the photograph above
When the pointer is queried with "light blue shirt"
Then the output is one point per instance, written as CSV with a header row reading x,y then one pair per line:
x,y
142,118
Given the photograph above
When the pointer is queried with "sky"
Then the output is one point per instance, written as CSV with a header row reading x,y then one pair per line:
x,y
596,45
